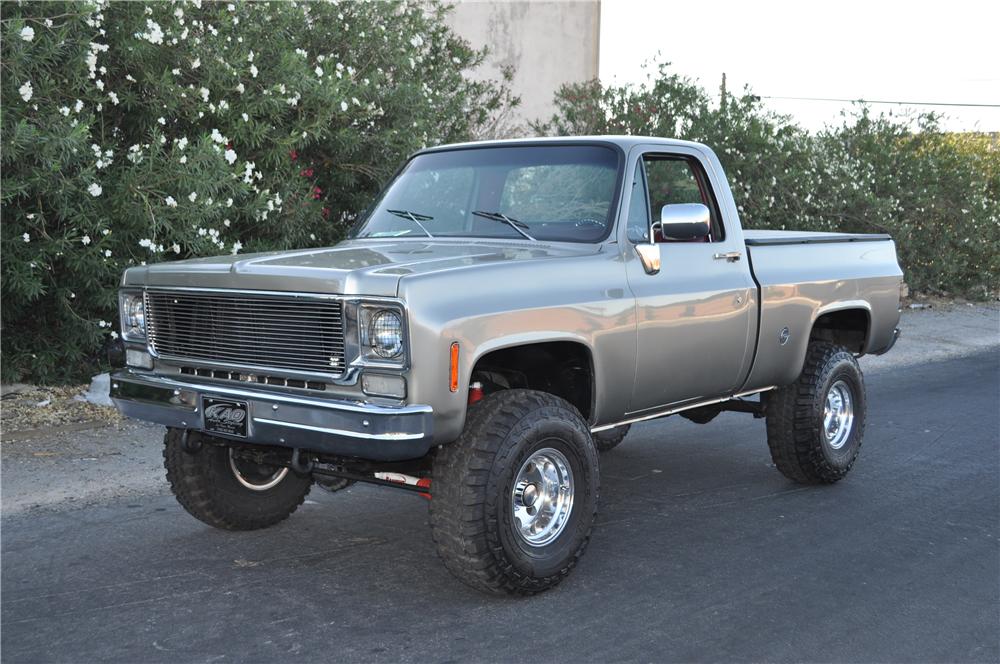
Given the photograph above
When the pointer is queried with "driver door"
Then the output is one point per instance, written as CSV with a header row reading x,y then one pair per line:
x,y
695,316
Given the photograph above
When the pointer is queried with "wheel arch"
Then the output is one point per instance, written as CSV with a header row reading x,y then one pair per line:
x,y
846,324
558,364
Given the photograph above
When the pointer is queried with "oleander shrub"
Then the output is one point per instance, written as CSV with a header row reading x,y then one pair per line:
x,y
136,132
937,194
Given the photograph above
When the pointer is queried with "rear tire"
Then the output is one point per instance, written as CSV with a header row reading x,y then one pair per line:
x,y
514,498
815,426
610,438
227,492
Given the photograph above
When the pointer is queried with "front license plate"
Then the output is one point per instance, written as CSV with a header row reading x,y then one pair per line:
x,y
225,416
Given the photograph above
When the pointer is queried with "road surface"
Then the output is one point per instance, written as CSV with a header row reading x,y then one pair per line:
x,y
702,552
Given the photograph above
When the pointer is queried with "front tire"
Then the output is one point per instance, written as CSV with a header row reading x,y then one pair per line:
x,y
515,496
225,491
815,426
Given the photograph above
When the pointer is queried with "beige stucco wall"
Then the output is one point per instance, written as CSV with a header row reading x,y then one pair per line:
x,y
548,43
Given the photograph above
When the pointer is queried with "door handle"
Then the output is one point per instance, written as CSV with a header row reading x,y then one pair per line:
x,y
729,256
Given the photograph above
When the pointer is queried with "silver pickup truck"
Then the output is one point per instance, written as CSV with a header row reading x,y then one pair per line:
x,y
502,313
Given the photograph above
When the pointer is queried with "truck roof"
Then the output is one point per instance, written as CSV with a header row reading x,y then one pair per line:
x,y
623,142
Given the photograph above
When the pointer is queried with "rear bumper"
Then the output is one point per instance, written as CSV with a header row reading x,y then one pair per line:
x,y
342,428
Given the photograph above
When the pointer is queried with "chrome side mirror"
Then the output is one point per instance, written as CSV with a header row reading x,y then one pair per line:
x,y
685,221
681,221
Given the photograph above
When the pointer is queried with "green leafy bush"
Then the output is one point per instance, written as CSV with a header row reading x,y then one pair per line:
x,y
138,132
937,194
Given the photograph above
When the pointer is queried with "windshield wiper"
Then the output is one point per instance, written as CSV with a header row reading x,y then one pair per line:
x,y
414,217
513,223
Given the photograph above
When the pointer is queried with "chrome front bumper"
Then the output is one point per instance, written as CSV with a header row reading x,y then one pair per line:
x,y
343,428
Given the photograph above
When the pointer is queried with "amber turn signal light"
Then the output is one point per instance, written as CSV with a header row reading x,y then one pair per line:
x,y
453,385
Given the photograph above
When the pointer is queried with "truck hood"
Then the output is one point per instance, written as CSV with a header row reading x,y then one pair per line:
x,y
354,267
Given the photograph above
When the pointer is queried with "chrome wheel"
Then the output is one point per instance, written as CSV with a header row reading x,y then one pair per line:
x,y
838,415
255,476
542,498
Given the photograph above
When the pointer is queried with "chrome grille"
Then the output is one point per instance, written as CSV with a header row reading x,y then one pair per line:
x,y
297,333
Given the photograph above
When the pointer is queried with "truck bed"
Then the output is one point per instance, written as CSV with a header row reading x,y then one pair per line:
x,y
803,275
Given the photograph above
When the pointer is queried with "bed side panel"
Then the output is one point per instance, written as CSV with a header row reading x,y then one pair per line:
x,y
801,282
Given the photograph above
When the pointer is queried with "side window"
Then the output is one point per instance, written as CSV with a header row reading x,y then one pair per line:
x,y
637,229
672,180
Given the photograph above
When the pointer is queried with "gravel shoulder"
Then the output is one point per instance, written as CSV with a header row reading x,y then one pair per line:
x,y
61,462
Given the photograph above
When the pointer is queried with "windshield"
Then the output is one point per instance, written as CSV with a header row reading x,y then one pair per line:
x,y
561,193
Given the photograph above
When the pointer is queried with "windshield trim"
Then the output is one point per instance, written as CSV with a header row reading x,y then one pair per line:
x,y
614,208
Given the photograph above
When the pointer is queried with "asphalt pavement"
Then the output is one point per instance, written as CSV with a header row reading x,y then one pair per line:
x,y
702,552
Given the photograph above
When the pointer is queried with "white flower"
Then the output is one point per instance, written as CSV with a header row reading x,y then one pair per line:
x,y
114,335
95,191
237,246
102,323
302,52
175,71
154,33
201,231
417,41
64,110
231,7
113,97
193,196
182,142
343,106
240,88
30,215
318,70
229,202
176,248
85,240
170,201
146,242
226,223
355,101
106,232
78,106
26,91
26,237
161,120
217,136
246,118
253,70
107,253
230,156
183,159
250,57
204,94
27,33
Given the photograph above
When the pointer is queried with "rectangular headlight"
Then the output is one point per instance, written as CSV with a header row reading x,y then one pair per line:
x,y
133,315
382,329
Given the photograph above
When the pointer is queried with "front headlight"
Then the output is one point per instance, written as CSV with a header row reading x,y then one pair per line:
x,y
133,315
386,334
382,335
